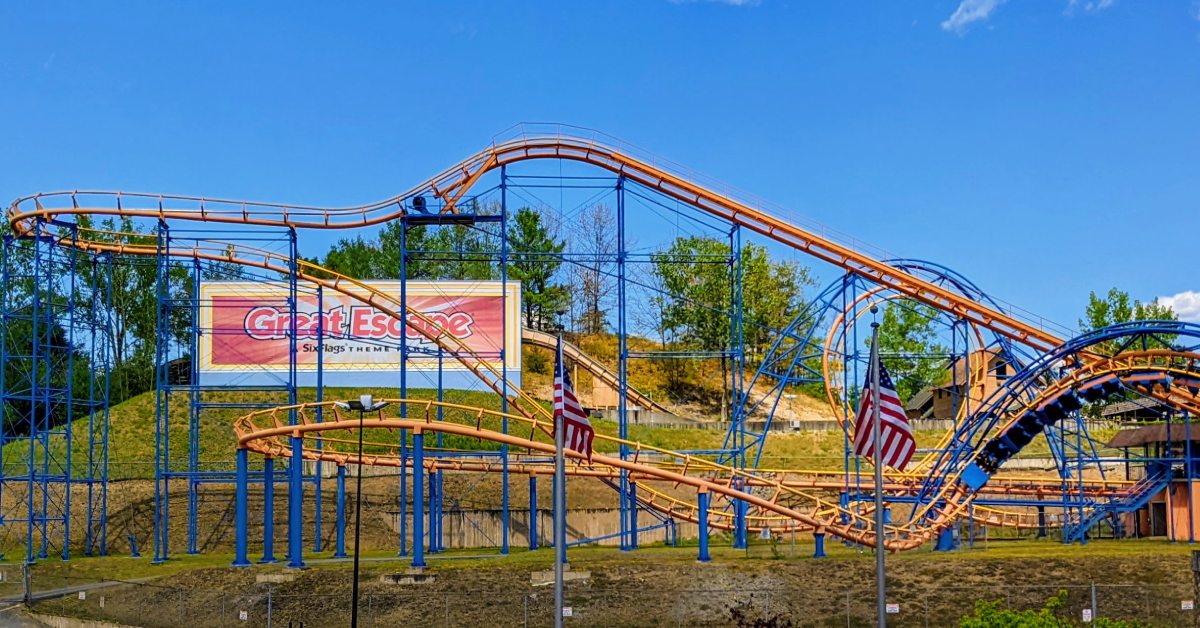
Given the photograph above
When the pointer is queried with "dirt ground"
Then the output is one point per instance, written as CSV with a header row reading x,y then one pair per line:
x,y
653,586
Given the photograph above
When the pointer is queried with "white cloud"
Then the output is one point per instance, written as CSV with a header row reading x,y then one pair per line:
x,y
1089,5
969,12
1185,304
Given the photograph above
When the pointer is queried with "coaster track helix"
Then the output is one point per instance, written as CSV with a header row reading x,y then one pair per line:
x,y
941,497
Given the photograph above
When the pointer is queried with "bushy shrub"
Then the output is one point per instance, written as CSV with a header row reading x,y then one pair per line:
x,y
993,615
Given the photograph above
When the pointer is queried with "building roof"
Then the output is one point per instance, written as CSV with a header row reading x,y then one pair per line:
x,y
1135,405
1152,434
920,399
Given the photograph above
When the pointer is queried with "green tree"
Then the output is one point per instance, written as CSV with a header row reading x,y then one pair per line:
x,y
532,261
1118,307
695,273
908,340
129,301
435,252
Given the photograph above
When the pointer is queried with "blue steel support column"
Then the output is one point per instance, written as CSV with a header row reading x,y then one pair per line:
x,y
702,516
739,519
403,493
97,365
533,512
404,386
431,502
971,525
737,344
504,512
5,252
193,485
735,372
239,518
633,524
945,540
435,506
268,511
34,389
296,505
1079,464
339,550
628,529
104,434
818,544
1066,515
320,396
70,402
441,511
418,545
296,462
162,423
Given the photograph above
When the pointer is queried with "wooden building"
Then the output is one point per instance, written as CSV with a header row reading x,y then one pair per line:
x,y
1167,462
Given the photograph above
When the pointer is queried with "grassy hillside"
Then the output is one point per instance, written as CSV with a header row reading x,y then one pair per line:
x,y
132,430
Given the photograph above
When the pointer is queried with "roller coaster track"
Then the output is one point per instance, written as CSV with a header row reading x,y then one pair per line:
x,y
41,216
591,365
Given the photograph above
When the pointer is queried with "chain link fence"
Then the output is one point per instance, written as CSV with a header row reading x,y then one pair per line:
x,y
137,603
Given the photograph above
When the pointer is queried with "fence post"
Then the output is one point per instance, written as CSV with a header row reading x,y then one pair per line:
x,y
526,610
26,584
269,605
1095,615
447,608
847,608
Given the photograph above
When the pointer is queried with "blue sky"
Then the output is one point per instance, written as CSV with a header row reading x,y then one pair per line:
x,y
1044,148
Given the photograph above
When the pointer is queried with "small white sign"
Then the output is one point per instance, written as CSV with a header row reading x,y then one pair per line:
x,y
568,611
101,601
1087,615
1187,605
83,595
892,609
243,616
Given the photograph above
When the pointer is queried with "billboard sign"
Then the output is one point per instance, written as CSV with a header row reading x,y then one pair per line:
x,y
245,329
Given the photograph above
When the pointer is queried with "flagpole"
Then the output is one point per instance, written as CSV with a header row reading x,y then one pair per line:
x,y
560,536
880,581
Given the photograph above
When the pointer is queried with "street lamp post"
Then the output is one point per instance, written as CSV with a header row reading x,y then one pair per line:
x,y
364,404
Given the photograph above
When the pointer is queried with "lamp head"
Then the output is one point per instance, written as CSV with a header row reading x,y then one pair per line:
x,y
365,403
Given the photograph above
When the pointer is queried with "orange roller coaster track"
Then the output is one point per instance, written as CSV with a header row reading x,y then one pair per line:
x,y
35,216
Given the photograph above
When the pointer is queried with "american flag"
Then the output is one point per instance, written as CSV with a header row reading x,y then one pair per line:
x,y
894,432
579,433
